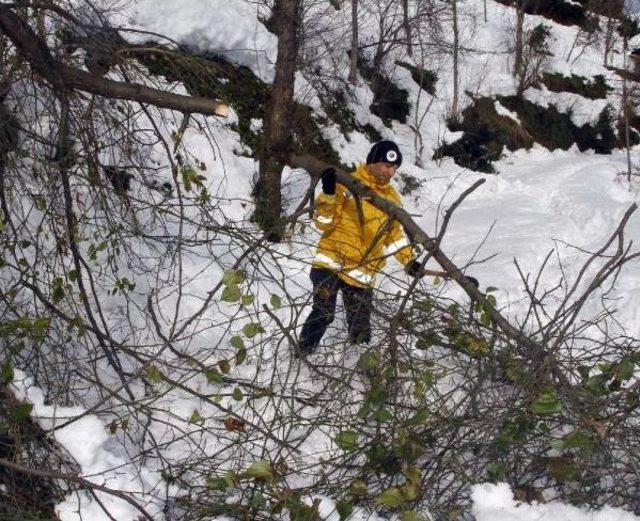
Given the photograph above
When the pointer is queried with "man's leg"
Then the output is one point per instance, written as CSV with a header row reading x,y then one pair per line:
x,y
357,304
325,291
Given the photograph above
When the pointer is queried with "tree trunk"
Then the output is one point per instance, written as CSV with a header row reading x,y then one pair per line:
x,y
407,26
517,66
626,110
353,69
456,50
609,36
267,192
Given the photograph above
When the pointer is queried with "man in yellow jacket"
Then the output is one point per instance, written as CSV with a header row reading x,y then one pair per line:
x,y
356,241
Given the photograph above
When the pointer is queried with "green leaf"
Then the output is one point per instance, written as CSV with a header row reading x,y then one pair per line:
x,y
347,440
247,300
358,488
189,176
345,509
485,318
21,412
231,293
546,403
579,440
258,500
419,417
369,361
241,356
234,277
237,394
259,470
252,329
276,302
219,483
424,305
195,417
237,342
6,373
564,470
224,366
383,415
390,498
376,395
58,290
214,376
154,374
624,370
496,472
490,289
412,515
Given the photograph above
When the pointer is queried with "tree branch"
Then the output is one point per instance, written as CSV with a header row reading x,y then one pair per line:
x,y
315,167
62,77
85,483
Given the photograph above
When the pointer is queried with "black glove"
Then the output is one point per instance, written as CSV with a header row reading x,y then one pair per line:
x,y
329,181
473,281
414,269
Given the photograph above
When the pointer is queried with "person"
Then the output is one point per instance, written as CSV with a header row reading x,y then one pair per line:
x,y
356,240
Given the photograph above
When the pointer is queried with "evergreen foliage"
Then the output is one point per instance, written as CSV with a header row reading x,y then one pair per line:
x,y
213,76
560,11
390,102
486,133
425,78
596,88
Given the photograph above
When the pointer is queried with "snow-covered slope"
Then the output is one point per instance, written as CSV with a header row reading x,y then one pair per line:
x,y
570,202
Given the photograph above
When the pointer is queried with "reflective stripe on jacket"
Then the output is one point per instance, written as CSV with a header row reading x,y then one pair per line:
x,y
356,244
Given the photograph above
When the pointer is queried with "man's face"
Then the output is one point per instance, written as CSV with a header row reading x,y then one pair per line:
x,y
383,172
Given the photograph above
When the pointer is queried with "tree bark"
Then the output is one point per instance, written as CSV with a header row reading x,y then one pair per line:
x,y
407,26
626,109
267,192
609,37
517,66
353,68
456,52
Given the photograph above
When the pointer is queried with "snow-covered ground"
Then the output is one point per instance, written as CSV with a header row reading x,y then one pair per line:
x,y
540,200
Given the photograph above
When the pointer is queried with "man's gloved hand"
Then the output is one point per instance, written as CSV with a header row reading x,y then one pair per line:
x,y
473,281
414,269
329,181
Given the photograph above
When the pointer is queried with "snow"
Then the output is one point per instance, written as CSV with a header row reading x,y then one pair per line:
x,y
88,441
495,502
220,26
504,111
540,200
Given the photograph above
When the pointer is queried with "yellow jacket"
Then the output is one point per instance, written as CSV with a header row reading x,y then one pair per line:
x,y
358,250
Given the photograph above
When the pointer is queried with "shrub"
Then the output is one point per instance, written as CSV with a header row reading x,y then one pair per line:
x,y
425,78
564,13
595,88
390,102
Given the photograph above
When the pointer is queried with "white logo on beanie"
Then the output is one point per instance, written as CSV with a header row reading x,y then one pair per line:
x,y
392,156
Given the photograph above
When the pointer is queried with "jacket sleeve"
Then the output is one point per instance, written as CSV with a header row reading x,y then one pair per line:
x,y
398,245
328,210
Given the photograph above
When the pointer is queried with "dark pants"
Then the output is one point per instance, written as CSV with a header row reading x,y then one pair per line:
x,y
357,303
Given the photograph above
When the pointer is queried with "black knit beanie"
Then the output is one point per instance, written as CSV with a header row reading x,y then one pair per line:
x,y
385,152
